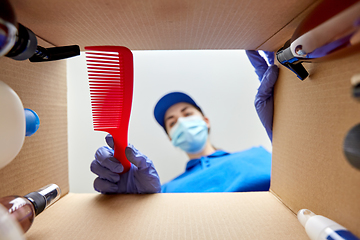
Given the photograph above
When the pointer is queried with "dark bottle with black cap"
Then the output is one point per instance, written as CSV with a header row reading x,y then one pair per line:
x,y
24,209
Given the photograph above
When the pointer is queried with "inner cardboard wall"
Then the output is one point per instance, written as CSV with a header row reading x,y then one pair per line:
x,y
247,216
311,120
43,157
278,40
163,24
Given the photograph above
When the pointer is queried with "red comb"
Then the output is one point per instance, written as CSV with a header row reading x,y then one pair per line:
x,y
110,73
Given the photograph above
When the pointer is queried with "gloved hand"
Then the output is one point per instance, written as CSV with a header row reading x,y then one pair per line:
x,y
264,100
141,178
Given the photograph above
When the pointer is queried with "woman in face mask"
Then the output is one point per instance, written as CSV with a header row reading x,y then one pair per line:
x,y
185,124
208,169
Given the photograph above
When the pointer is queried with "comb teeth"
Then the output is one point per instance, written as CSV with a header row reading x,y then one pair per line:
x,y
105,73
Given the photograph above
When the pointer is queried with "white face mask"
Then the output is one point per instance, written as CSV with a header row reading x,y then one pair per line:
x,y
190,134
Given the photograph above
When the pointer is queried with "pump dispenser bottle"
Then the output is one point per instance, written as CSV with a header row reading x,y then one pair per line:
x,y
24,209
319,227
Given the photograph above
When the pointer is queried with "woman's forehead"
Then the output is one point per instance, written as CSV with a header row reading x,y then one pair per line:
x,y
177,108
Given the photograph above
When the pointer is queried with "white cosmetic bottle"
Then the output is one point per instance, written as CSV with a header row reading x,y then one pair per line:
x,y
319,227
15,123
12,124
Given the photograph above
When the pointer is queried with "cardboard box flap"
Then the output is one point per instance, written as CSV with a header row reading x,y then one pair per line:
x,y
163,24
311,120
257,215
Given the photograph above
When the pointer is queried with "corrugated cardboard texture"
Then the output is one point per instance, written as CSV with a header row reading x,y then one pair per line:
x,y
278,40
163,24
311,121
168,216
43,158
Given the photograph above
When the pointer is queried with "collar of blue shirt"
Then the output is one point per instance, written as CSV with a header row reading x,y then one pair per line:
x,y
194,162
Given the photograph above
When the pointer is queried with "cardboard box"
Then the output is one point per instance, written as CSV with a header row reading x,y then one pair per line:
x,y
311,120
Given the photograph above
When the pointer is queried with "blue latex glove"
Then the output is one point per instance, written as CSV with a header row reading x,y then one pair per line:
x,y
141,178
264,100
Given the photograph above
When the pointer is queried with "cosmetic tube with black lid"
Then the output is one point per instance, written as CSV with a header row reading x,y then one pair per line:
x,y
24,209
44,197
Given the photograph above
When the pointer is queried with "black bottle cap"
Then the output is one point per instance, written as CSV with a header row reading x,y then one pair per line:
x,y
37,200
352,146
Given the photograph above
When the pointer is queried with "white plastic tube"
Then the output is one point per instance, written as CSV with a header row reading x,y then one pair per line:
x,y
326,32
319,227
12,124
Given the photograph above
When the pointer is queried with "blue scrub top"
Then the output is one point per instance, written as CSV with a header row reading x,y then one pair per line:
x,y
243,171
